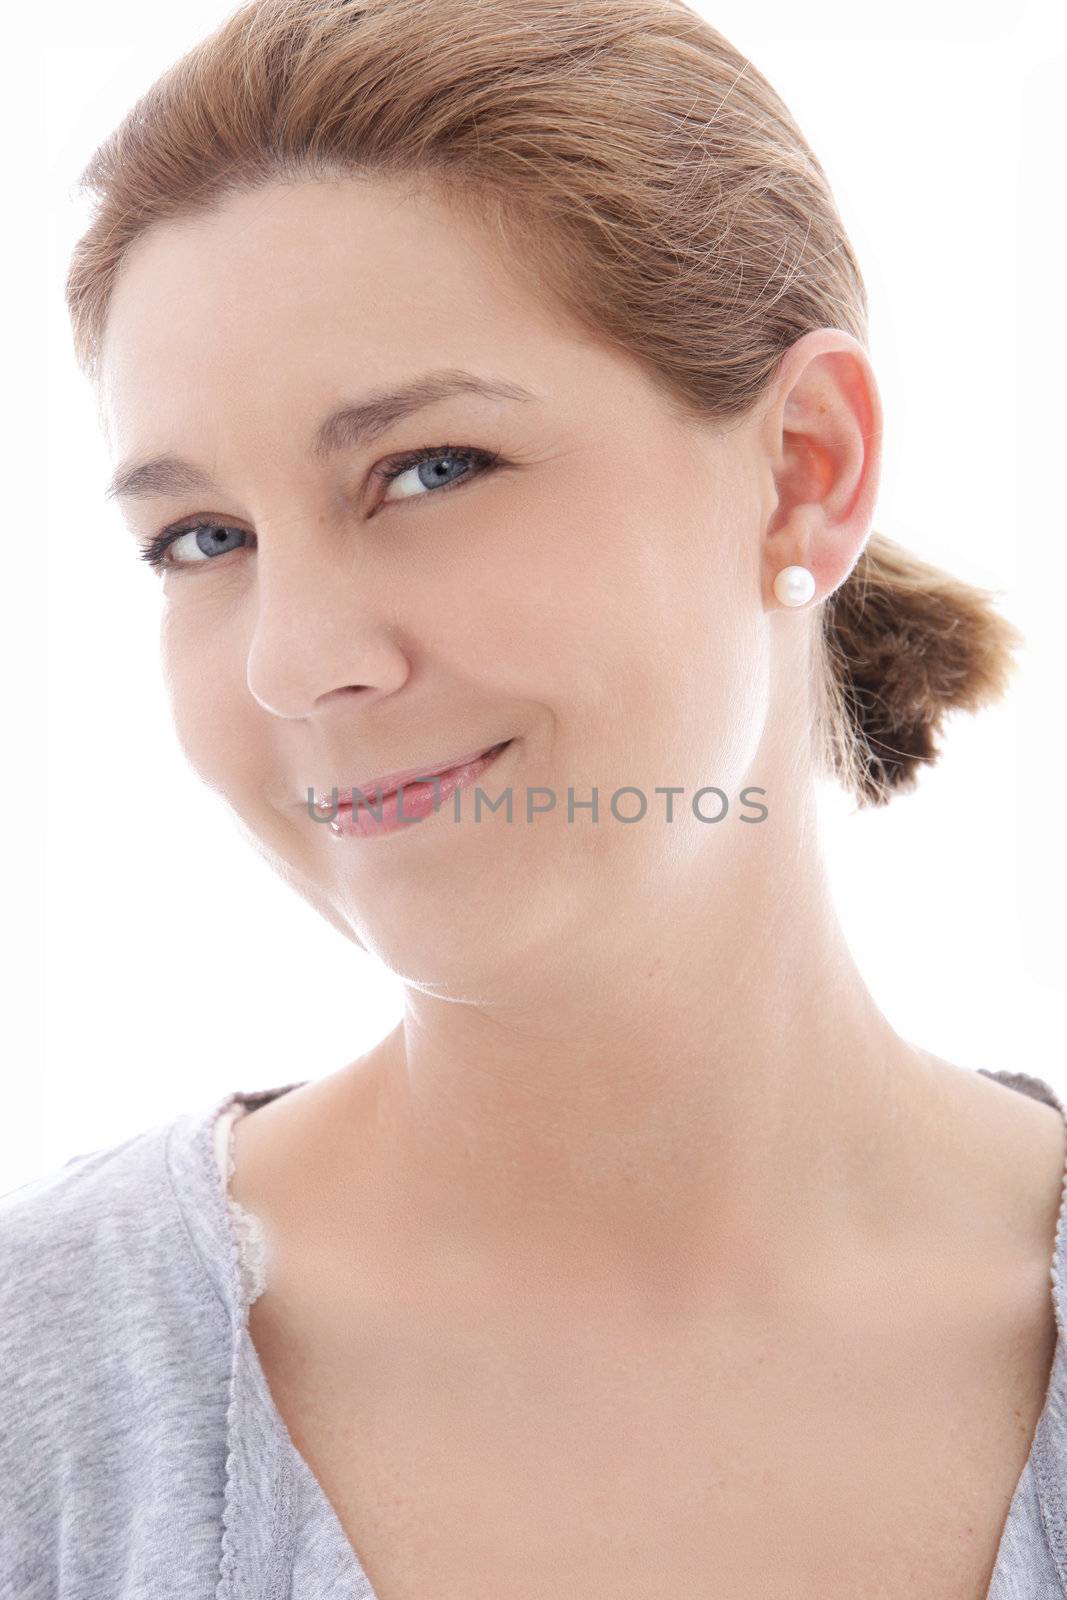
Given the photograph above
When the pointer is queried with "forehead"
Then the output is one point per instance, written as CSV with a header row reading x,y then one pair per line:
x,y
291,290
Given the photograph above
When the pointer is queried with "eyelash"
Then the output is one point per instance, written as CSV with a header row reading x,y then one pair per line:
x,y
154,551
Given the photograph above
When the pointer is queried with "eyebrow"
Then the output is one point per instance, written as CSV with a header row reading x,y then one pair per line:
x,y
355,423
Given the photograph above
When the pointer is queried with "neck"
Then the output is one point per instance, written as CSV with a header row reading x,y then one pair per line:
x,y
707,1093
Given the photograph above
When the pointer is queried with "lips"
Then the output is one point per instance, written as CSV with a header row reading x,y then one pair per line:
x,y
389,782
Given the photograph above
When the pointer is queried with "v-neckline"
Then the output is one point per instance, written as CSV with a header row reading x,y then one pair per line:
x,y
274,1503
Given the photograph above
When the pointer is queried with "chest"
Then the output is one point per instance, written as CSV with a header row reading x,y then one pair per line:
x,y
463,1461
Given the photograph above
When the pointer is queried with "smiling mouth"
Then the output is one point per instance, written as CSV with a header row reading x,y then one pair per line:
x,y
393,810
459,766
392,785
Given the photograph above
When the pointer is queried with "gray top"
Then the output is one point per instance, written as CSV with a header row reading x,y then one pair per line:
x,y
141,1453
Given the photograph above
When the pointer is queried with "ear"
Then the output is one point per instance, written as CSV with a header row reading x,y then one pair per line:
x,y
822,434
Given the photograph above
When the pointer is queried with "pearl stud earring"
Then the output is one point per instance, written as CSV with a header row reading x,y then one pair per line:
x,y
794,586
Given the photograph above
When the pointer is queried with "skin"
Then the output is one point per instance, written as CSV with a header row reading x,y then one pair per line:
x,y
638,1065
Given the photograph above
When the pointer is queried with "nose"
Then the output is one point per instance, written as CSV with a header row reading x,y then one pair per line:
x,y
321,630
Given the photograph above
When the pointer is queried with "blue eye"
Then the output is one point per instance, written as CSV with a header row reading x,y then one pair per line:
x,y
211,538
426,469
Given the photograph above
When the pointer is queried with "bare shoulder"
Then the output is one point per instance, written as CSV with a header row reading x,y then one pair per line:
x,y
1006,1152
292,1151
978,1166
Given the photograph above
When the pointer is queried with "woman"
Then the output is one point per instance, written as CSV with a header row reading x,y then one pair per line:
x,y
488,385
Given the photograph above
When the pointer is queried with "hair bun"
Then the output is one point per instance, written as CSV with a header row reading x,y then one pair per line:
x,y
907,643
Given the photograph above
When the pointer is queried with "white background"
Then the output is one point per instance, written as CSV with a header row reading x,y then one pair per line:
x,y
155,963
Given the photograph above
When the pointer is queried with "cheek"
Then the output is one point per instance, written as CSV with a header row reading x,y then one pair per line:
x,y
209,702
683,680
649,619
645,682
725,699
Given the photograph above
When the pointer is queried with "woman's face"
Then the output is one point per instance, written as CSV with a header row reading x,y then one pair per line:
x,y
596,596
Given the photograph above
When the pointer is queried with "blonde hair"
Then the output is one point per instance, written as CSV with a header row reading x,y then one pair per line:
x,y
640,172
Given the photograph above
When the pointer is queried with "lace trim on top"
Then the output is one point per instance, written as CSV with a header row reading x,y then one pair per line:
x,y
248,1230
